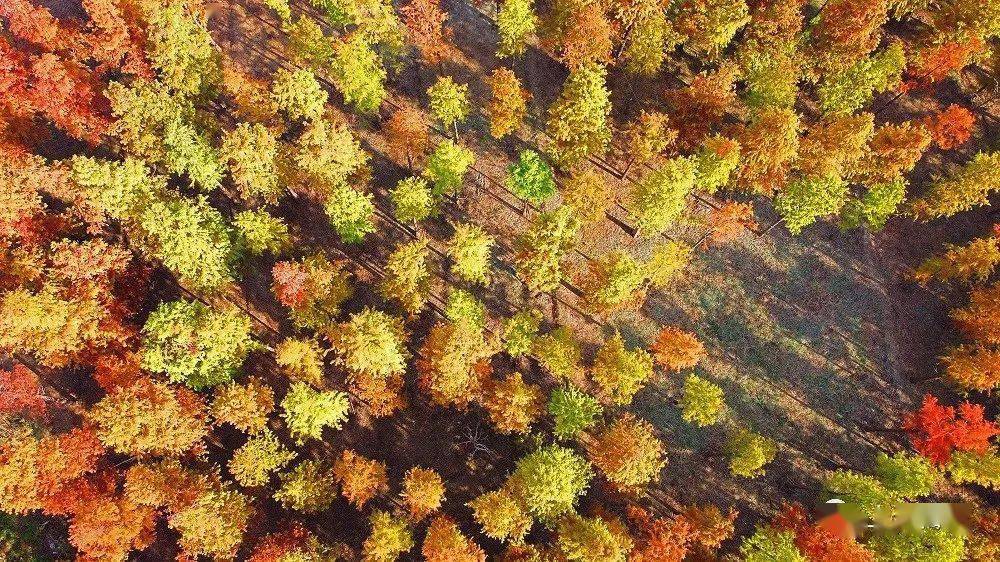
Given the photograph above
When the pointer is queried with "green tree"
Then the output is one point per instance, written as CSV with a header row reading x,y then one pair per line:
x,y
307,411
516,21
968,187
771,545
659,197
301,359
927,544
851,89
412,200
866,492
702,402
749,452
715,162
309,487
253,462
350,212
573,411
307,45
807,199
588,539
907,476
250,152
874,208
550,480
620,373
979,468
370,342
390,537
326,156
519,332
196,345
615,280
577,122
530,178
358,74
180,47
259,232
469,249
407,278
449,102
298,94
540,250
446,167
559,353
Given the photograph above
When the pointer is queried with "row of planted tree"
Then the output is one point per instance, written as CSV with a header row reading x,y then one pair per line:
x,y
134,150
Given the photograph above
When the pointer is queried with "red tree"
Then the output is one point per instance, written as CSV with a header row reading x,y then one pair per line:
x,y
424,20
951,127
21,392
817,541
937,430
660,539
939,61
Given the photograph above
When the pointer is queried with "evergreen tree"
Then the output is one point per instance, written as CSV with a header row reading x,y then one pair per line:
x,y
519,332
469,249
298,94
749,452
530,178
701,402
516,21
577,120
390,537
659,198
573,411
541,248
447,166
307,411
358,74
412,200
449,102
588,539
550,480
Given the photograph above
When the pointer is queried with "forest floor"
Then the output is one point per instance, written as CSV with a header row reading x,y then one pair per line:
x,y
817,339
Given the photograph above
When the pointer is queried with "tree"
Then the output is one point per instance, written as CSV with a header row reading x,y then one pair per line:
x,y
180,47
660,538
449,102
21,393
301,359
350,213
907,476
966,188
370,342
196,345
326,158
711,24
244,406
469,249
313,288
815,541
463,307
628,453
970,263
540,250
573,411
703,104
447,166
298,94
358,74
937,431
406,135
767,147
390,537
423,492
702,402
424,21
587,194
659,198
621,373
307,45
652,35
54,328
892,151
513,405
407,279
519,332
360,478
846,30
444,542
412,200
951,127
577,122
749,452
852,88
549,481
804,200
588,539
293,543
614,281
213,525
150,418
978,468
667,262
866,492
730,220
516,21
250,151
771,73
307,411
502,516
259,232
875,207
309,487
834,145
579,32
973,367
926,543
253,463
454,362
767,544
530,178
676,349
559,353
645,138
977,320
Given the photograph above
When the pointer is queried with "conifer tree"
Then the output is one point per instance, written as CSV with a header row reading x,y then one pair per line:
x,y
350,212
541,248
550,480
659,197
587,194
308,488
502,516
573,411
676,349
250,152
447,166
360,478
577,120
614,281
519,332
767,147
181,50
749,452
412,200
423,492
559,353
513,405
424,21
620,373
651,36
469,249
628,453
667,262
307,45
701,402
307,411
213,525
973,262
531,178
807,199
715,163
358,74
444,542
508,100
301,359
711,24
245,406
253,463
313,288
407,135
298,94
588,539
454,362
964,189
370,342
258,232
951,127
449,102
848,90
390,537
645,138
